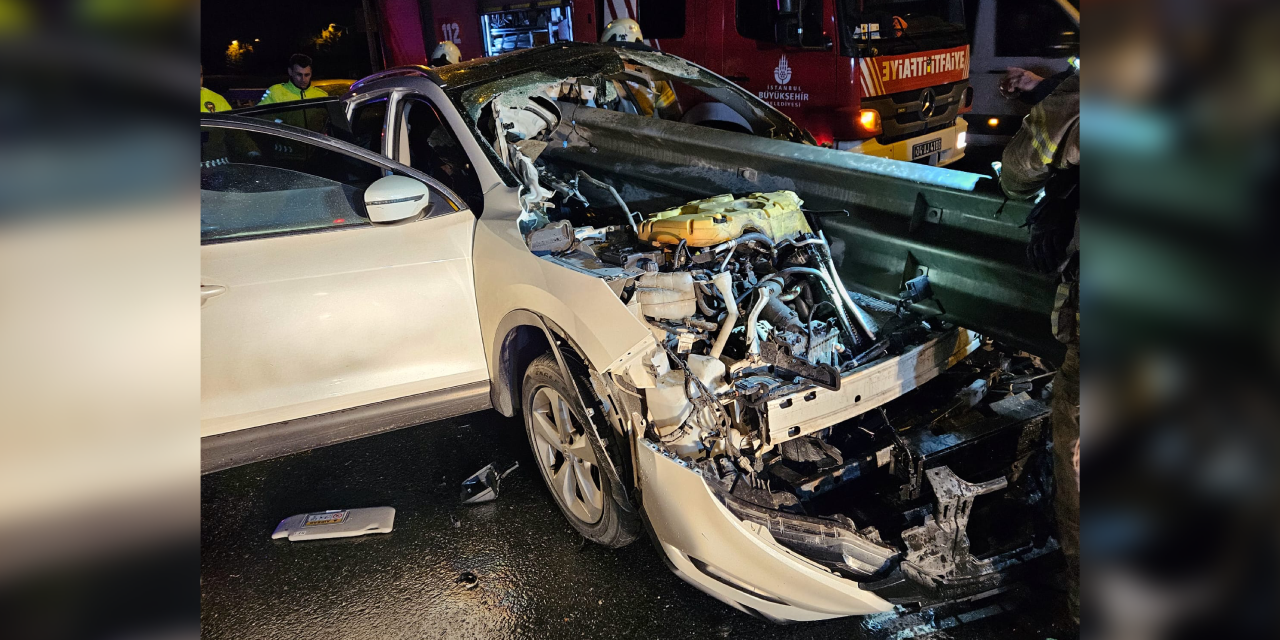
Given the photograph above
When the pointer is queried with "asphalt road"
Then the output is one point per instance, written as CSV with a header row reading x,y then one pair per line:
x,y
509,568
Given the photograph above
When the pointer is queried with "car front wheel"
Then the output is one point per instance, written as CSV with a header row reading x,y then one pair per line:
x,y
564,453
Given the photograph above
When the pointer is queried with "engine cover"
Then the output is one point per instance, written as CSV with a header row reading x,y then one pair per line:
x,y
705,223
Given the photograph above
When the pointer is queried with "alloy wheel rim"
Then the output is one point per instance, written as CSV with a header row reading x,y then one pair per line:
x,y
566,457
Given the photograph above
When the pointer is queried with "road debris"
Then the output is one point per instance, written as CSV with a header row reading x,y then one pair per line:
x,y
482,486
336,523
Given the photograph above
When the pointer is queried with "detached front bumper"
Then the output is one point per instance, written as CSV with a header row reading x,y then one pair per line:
x,y
953,142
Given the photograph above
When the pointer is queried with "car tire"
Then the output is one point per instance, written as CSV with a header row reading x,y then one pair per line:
x,y
555,426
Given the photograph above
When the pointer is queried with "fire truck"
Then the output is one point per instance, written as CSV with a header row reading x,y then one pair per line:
x,y
887,78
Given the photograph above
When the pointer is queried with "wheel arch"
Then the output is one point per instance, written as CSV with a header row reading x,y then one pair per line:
x,y
522,336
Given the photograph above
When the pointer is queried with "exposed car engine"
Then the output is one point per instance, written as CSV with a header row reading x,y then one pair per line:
x,y
756,334
744,300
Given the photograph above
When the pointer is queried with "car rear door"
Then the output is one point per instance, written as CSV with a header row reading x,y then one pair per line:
x,y
307,308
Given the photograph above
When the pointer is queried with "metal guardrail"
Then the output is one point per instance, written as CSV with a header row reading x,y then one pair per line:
x,y
905,219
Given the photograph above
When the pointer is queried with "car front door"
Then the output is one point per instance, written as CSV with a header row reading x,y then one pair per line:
x,y
307,307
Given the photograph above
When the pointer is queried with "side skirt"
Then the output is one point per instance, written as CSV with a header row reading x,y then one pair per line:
x,y
244,446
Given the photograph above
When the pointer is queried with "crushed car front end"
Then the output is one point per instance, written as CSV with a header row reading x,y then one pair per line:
x,y
928,495
799,451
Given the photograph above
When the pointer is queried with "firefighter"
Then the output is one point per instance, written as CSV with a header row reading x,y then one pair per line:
x,y
210,101
1045,154
445,53
659,101
299,85
622,30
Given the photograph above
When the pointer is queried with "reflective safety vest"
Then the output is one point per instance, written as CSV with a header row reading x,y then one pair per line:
x,y
285,92
211,102
646,100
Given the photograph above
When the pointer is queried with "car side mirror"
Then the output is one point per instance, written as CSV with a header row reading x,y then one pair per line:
x,y
396,199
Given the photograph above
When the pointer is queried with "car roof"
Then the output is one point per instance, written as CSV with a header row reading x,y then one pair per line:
x,y
470,84
569,58
564,57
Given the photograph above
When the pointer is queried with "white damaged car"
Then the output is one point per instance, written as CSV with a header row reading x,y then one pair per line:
x,y
654,297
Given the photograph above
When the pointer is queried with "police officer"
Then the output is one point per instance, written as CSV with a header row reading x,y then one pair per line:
x,y
1045,154
445,53
646,101
299,85
210,101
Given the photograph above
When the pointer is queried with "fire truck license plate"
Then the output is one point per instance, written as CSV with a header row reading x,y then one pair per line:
x,y
925,148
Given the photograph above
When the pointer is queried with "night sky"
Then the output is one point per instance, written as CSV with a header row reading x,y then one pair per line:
x,y
282,27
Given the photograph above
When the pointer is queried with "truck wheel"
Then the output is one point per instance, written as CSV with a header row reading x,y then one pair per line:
x,y
562,451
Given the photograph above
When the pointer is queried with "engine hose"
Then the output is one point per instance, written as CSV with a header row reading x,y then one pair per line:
x,y
802,309
724,284
830,290
805,241
753,338
617,198
859,315
700,295
701,325
754,236
829,266
806,293
768,288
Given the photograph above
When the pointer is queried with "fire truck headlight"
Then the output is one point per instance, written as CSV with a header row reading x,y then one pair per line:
x,y
962,139
869,121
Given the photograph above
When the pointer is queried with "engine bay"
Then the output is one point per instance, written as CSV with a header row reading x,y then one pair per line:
x,y
798,400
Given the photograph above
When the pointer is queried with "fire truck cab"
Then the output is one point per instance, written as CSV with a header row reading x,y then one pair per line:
x,y
887,78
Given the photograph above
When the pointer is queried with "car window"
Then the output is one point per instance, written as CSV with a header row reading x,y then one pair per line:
x,y
256,184
313,116
434,150
368,124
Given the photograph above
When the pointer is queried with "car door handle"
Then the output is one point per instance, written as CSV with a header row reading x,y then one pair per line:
x,y
210,290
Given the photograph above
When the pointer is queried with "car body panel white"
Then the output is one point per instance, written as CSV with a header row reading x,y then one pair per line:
x,y
694,527
319,322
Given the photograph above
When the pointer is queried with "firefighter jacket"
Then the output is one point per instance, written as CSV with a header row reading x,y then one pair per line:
x,y
1048,141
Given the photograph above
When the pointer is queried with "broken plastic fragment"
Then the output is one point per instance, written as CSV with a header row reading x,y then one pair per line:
x,y
336,523
482,486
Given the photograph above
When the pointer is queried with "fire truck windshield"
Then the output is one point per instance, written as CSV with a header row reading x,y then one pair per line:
x,y
900,26
911,17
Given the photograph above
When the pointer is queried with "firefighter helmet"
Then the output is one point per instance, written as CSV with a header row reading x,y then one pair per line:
x,y
622,30
446,53
899,26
